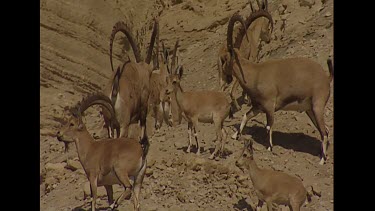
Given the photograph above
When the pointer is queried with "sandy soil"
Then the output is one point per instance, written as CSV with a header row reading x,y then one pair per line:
x,y
74,61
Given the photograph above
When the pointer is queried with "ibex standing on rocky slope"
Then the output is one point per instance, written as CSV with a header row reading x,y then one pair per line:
x,y
129,84
259,30
273,186
109,161
158,82
200,106
297,84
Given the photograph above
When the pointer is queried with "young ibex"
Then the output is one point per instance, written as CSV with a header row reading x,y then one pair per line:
x,y
297,84
158,82
129,85
259,30
107,161
200,106
272,186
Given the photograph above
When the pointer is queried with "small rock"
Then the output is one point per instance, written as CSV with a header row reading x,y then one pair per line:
x,y
278,167
49,184
179,145
151,163
160,166
73,165
181,197
81,171
77,197
55,166
169,163
306,3
328,14
149,171
242,178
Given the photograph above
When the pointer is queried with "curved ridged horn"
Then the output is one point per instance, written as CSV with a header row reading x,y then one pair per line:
x,y
152,41
121,26
248,21
165,57
232,21
157,48
173,64
99,99
266,5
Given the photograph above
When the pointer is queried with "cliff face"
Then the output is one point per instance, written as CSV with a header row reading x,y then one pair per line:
x,y
74,60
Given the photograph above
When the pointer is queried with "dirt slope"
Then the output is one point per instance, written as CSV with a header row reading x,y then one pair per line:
x,y
74,49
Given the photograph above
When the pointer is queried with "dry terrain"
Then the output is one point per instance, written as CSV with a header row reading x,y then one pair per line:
x,y
74,61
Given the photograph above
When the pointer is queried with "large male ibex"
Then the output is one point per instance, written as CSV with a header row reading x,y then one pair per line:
x,y
128,87
297,84
108,161
259,29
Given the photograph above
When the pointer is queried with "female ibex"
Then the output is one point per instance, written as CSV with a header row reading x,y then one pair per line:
x,y
272,186
297,84
158,82
108,161
200,106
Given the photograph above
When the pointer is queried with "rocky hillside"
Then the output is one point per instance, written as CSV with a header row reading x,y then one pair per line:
x,y
74,50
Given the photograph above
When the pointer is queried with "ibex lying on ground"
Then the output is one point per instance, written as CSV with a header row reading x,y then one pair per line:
x,y
107,161
272,186
129,85
200,106
259,29
297,84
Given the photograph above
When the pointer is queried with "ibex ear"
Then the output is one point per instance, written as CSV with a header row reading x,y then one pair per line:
x,y
80,124
263,5
250,145
180,71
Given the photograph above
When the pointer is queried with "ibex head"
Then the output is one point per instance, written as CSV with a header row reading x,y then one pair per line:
x,y
243,160
74,125
267,24
226,59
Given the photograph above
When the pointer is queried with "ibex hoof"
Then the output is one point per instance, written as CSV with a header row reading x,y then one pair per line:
x,y
112,206
269,149
234,136
188,150
211,157
322,161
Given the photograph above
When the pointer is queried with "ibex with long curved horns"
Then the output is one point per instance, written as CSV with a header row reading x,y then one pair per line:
x,y
108,161
128,87
259,29
297,84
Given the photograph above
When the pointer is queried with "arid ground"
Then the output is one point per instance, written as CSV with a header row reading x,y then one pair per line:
x,y
74,49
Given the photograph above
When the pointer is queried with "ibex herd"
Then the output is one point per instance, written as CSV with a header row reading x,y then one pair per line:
x,y
137,87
